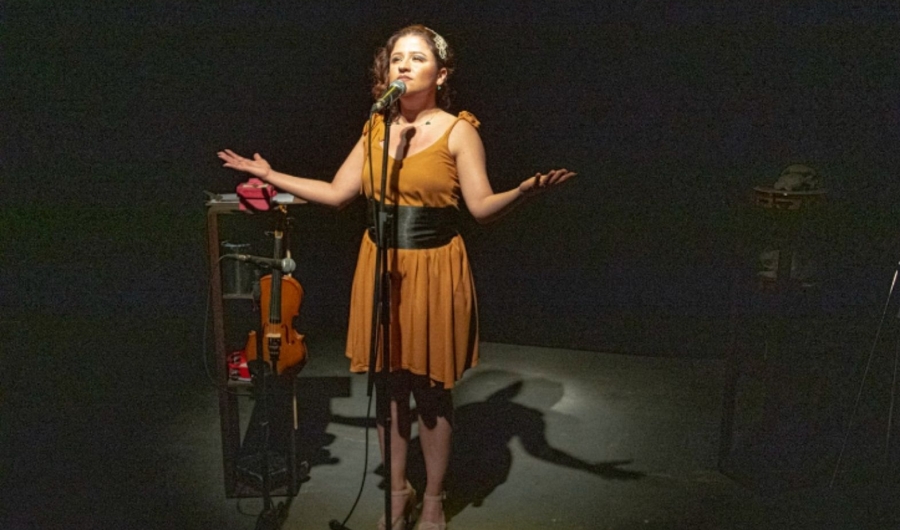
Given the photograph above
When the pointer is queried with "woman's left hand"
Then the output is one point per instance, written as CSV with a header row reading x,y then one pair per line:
x,y
542,182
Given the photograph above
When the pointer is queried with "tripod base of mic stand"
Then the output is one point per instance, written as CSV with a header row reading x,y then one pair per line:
x,y
272,518
250,467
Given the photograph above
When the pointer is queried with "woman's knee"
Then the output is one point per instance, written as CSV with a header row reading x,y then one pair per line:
x,y
433,401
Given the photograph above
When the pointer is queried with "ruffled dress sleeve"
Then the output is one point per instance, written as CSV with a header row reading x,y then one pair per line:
x,y
469,117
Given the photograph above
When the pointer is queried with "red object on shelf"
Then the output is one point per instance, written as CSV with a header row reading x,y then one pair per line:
x,y
255,195
237,366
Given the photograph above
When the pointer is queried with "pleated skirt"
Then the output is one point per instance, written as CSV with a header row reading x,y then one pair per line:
x,y
434,315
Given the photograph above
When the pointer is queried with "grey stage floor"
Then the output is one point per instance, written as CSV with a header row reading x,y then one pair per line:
x,y
546,438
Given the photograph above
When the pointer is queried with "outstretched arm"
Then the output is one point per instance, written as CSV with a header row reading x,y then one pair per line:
x,y
482,202
344,187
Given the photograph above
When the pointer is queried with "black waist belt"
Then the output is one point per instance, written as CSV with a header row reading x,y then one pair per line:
x,y
418,227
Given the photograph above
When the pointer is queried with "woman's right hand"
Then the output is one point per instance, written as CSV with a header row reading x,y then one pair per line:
x,y
258,166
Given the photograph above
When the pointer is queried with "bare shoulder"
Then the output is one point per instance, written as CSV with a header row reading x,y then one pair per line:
x,y
464,135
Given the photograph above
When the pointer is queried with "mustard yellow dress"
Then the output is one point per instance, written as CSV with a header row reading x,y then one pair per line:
x,y
434,316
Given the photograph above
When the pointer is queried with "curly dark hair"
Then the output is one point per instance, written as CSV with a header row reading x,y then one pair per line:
x,y
381,67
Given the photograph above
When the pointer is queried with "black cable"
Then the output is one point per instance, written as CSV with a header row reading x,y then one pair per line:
x,y
334,524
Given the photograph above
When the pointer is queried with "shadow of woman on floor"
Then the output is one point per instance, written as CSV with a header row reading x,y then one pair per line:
x,y
483,430
482,458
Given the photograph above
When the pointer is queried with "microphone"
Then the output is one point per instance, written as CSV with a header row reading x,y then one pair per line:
x,y
392,94
286,265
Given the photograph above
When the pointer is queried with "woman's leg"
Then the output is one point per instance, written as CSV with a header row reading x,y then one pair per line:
x,y
435,406
400,434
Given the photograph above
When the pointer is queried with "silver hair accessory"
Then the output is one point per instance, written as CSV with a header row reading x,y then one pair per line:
x,y
440,44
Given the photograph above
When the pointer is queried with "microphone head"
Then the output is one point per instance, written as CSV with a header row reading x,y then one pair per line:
x,y
399,85
288,265
393,92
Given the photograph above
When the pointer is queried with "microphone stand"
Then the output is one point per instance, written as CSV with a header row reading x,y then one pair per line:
x,y
862,384
383,222
381,318
271,516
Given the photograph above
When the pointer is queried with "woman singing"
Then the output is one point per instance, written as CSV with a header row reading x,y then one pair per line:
x,y
436,160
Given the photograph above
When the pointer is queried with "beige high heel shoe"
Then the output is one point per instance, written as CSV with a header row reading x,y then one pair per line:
x,y
401,521
423,525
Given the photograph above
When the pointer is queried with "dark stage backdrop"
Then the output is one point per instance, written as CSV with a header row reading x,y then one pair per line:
x,y
113,113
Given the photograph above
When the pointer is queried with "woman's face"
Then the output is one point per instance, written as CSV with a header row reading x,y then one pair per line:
x,y
412,62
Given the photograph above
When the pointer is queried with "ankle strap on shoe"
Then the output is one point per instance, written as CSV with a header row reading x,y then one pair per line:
x,y
439,497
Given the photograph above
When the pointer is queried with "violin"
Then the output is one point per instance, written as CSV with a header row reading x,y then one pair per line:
x,y
279,315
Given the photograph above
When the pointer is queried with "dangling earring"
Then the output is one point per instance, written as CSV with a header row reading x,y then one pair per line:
x,y
440,87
